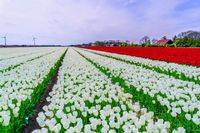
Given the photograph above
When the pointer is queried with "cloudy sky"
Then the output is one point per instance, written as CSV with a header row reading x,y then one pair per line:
x,y
78,21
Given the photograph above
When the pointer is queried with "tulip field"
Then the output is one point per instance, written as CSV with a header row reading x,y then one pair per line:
x,y
96,91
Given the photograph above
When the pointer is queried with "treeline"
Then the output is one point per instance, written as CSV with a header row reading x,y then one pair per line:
x,y
187,39
183,39
187,42
110,43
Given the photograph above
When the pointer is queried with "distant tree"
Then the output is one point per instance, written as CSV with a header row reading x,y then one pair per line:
x,y
123,45
194,35
182,35
174,38
145,40
154,41
164,37
189,34
99,43
127,41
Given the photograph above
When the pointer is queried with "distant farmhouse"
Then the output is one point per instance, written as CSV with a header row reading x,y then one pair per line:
x,y
164,42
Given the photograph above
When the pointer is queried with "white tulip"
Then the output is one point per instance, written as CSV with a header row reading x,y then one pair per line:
x,y
16,111
188,116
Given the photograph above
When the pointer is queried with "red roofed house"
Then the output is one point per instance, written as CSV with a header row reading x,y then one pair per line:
x,y
164,42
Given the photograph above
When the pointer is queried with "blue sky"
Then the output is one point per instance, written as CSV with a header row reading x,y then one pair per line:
x,y
77,21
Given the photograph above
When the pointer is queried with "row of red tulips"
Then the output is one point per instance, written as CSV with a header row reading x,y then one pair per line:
x,y
190,56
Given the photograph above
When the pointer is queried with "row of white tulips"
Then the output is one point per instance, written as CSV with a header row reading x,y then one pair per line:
x,y
8,53
12,76
177,95
4,64
85,100
189,71
19,84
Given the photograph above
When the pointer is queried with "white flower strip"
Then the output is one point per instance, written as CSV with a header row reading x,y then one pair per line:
x,y
20,83
85,100
189,71
177,95
11,76
14,61
7,53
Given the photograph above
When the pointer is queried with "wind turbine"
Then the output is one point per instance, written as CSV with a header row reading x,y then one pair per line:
x,y
34,40
5,39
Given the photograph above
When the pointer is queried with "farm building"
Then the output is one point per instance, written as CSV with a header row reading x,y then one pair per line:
x,y
164,42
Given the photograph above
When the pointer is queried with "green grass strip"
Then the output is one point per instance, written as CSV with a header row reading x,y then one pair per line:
x,y
160,112
174,74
